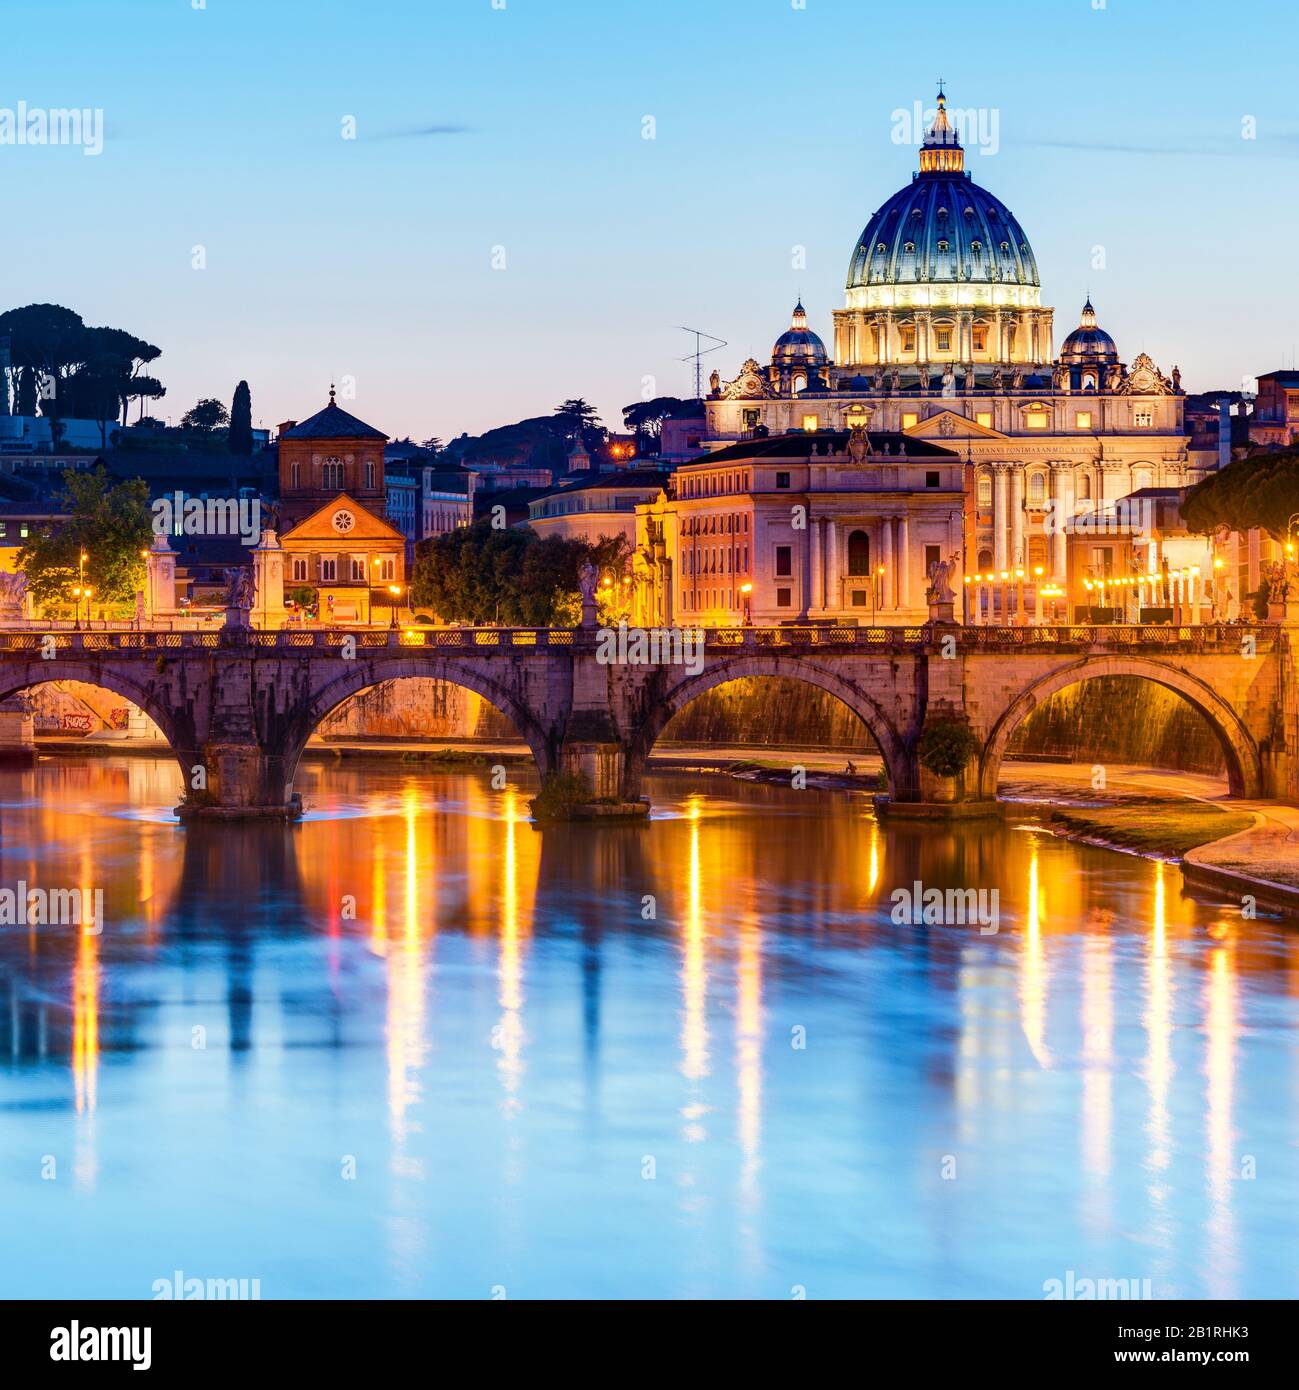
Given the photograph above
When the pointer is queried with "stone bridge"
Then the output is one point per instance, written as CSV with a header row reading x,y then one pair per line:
x,y
238,707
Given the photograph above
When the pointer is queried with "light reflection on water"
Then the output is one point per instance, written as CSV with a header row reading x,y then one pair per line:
x,y
416,1046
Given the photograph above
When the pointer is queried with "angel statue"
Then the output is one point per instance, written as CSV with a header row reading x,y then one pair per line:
x,y
239,588
940,588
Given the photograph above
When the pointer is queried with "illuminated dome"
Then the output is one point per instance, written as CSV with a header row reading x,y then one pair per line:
x,y
951,240
1088,342
799,346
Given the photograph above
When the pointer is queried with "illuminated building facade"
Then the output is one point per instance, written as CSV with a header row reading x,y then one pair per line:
x,y
944,338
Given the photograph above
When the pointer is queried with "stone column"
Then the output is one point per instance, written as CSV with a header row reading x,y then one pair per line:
x,y
832,600
1017,556
999,508
1062,497
904,563
160,579
268,582
886,559
816,596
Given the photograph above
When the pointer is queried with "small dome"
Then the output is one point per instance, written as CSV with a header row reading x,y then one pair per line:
x,y
799,346
1088,342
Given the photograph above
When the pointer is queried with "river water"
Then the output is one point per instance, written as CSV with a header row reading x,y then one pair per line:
x,y
413,1046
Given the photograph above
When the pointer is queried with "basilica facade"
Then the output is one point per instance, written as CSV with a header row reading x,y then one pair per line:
x,y
943,341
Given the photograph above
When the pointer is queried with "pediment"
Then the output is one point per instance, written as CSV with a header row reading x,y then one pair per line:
x,y
365,526
947,424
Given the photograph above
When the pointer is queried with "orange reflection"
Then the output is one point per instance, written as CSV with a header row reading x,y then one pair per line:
x,y
694,968
1220,1069
1032,966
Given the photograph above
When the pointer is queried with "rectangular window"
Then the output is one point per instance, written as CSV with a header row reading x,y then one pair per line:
x,y
1083,420
810,423
908,340
859,598
784,561
980,339
3,527
22,529
1036,420
944,336
782,598
295,473
984,419
328,570
1143,419
910,419
931,479
782,479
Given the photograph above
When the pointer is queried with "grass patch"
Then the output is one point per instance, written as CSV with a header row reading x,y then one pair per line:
x,y
562,793
459,757
1155,826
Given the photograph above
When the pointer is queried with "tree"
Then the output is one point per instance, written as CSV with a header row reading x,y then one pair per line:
x,y
44,343
110,522
481,575
241,421
577,416
205,417
1259,491
645,418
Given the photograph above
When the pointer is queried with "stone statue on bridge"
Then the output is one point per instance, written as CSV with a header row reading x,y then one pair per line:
x,y
13,597
587,578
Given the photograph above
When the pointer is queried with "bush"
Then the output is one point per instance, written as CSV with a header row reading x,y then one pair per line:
x,y
947,748
560,796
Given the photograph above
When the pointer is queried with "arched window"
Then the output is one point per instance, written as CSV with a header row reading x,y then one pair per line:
x,y
1084,487
332,473
985,561
1037,487
859,553
1142,476
800,382
985,490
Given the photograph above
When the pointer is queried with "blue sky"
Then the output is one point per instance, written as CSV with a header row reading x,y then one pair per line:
x,y
372,259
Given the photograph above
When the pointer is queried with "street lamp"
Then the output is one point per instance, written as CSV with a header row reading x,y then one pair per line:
x,y
80,591
395,591
747,591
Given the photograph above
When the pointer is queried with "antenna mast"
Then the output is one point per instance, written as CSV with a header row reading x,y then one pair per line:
x,y
700,352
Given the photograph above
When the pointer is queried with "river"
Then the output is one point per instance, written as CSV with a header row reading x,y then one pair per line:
x,y
414,1046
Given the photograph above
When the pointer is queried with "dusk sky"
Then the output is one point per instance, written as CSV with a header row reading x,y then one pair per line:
x,y
522,128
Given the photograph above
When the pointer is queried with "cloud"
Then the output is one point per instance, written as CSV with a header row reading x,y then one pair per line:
x,y
423,131
1219,147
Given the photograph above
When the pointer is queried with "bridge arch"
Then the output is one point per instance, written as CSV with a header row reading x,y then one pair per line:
x,y
14,680
1244,766
663,707
364,674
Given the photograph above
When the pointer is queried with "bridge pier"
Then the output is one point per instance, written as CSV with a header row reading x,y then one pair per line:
x,y
238,781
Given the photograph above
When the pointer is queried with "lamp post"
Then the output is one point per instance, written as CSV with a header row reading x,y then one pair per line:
x,y
877,576
394,592
1037,593
747,591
